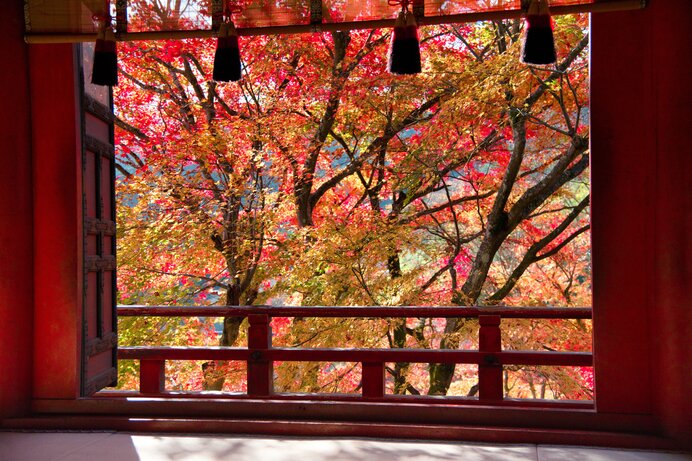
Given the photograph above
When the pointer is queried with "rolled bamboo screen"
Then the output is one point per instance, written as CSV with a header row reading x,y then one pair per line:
x,y
66,21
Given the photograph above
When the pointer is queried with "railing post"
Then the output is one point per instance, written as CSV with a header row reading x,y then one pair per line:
x,y
260,371
490,370
152,376
373,380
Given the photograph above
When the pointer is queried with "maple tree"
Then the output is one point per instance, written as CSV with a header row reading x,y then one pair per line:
x,y
320,179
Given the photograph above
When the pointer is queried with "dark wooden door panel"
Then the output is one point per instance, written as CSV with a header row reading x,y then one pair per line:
x,y
99,354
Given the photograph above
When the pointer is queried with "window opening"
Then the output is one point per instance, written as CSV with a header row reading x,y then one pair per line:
x,y
320,180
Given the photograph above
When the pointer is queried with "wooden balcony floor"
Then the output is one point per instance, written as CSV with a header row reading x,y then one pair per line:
x,y
107,446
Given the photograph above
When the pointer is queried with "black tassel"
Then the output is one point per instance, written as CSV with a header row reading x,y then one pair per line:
x,y
105,68
538,46
404,52
227,56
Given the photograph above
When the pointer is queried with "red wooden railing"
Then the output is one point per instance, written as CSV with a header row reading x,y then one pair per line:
x,y
260,355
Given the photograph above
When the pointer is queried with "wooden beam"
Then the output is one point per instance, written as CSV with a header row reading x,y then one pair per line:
x,y
358,312
546,358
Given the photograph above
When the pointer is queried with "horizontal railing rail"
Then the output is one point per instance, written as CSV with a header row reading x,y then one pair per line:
x,y
260,354
365,311
575,359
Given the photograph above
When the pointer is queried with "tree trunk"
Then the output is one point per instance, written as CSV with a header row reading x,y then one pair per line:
x,y
215,372
400,368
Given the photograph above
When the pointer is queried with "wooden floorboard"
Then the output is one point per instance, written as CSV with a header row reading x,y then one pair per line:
x,y
336,429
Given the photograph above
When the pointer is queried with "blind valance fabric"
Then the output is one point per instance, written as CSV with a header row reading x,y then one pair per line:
x,y
73,20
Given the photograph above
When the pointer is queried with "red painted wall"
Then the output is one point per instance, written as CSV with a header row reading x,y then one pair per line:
x,y
622,160
40,220
58,237
641,213
16,228
672,373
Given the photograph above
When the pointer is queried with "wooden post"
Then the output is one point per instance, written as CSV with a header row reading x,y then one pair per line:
x,y
490,371
373,380
260,371
17,232
152,376
58,233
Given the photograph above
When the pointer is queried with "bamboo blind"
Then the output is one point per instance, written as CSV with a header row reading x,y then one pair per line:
x,y
72,20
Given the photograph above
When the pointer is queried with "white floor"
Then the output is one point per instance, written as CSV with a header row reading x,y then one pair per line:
x,y
107,446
